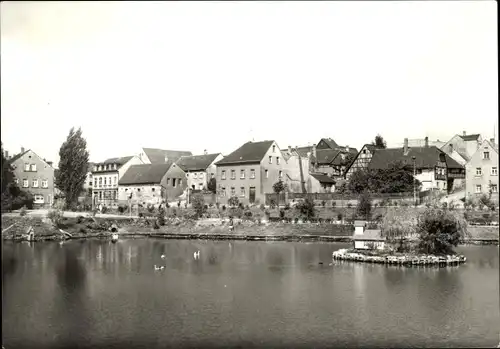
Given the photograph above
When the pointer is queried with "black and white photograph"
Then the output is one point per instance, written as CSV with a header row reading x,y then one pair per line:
x,y
249,174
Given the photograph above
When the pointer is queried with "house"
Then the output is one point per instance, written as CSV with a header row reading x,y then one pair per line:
x,y
199,169
250,171
144,184
482,171
35,175
465,145
331,159
365,239
420,142
161,156
176,183
321,183
434,168
106,176
361,160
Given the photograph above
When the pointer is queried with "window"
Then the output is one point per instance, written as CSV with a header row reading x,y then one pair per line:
x,y
233,191
486,155
16,181
45,183
223,175
494,171
26,167
168,181
173,182
100,181
38,199
109,181
152,189
277,160
179,182
33,167
242,174
267,173
274,148
479,172
252,173
223,191
187,174
364,151
270,159
195,175
242,191
233,174
478,188
34,184
25,183
494,188
105,181
281,174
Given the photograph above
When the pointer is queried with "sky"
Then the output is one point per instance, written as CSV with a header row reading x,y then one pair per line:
x,y
214,75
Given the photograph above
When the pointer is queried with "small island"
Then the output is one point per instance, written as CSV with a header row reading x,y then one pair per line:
x,y
428,239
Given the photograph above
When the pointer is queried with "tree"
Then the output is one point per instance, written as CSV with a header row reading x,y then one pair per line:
x,y
364,207
279,187
379,142
13,197
212,185
306,208
199,204
7,173
73,166
440,231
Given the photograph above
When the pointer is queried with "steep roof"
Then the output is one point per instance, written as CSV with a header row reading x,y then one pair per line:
x,y
468,138
249,152
145,174
302,151
369,234
196,162
331,143
323,178
18,156
157,156
326,156
120,161
424,157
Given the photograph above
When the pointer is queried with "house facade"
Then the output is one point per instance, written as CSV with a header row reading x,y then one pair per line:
x,y
143,184
465,145
34,175
250,171
105,177
482,171
199,169
161,156
361,160
331,159
175,184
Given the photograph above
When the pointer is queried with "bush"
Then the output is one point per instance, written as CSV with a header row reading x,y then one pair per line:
x,y
339,217
121,209
282,213
233,201
323,203
104,209
440,231
223,207
22,213
150,208
217,204
179,203
444,205
272,203
268,214
248,214
160,216
364,207
287,207
199,206
349,205
306,208
80,219
56,216
399,223
262,207
334,203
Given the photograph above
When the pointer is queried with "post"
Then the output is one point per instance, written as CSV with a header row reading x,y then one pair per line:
x,y
414,182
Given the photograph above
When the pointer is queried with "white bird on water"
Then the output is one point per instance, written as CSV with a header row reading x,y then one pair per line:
x,y
196,255
162,256
159,267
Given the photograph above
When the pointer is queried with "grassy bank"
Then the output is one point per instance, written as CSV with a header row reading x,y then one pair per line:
x,y
178,228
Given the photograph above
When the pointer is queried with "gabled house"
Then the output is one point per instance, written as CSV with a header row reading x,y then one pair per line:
x,y
35,175
433,167
144,184
331,159
465,145
199,169
250,171
161,156
482,171
106,176
361,160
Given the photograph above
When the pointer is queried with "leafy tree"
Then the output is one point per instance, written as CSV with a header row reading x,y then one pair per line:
x,y
212,185
7,173
364,207
306,208
73,165
379,142
199,204
440,231
279,187
13,197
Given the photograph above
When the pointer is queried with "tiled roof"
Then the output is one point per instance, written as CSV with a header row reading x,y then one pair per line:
x,y
15,157
331,143
145,174
248,152
473,137
120,161
325,156
196,162
157,156
302,151
369,234
323,178
424,157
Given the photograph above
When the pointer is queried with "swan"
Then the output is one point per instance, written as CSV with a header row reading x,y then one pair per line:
x,y
196,255
159,267
162,256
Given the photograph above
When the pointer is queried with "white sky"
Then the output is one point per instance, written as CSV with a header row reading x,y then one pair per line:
x,y
202,75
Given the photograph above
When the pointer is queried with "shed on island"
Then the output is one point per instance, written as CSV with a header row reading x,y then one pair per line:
x,y
367,239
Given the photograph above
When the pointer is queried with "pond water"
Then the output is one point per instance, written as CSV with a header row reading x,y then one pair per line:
x,y
247,294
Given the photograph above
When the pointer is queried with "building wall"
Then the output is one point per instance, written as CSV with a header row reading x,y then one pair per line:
x,y
177,174
200,178
363,159
43,172
486,165
266,183
141,194
292,168
224,185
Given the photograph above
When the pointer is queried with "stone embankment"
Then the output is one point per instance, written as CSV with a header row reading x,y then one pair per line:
x,y
403,260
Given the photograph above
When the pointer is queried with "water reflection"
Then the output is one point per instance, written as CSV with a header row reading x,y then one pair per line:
x,y
261,293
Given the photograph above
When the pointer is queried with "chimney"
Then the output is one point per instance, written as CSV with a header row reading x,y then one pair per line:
x,y
6,154
290,149
205,152
492,140
50,163
427,142
464,133
22,150
347,148
314,150
405,147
